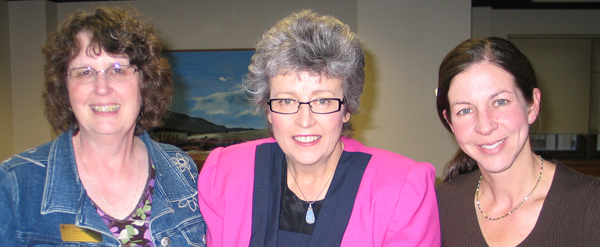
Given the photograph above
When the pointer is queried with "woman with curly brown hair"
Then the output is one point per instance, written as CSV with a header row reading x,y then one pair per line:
x,y
103,179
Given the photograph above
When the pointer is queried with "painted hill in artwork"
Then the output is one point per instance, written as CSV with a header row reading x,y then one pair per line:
x,y
178,122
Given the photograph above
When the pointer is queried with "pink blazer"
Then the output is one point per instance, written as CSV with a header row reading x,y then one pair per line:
x,y
395,205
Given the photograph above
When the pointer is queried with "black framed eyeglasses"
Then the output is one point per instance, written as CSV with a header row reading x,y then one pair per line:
x,y
318,106
116,73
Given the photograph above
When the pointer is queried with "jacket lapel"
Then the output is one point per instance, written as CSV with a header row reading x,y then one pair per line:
x,y
339,201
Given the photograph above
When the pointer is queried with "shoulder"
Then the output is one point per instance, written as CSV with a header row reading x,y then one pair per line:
x,y
35,156
391,174
571,182
463,184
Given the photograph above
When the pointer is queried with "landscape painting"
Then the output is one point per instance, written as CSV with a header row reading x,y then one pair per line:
x,y
210,106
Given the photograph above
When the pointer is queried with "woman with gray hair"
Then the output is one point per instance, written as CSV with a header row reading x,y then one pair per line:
x,y
310,184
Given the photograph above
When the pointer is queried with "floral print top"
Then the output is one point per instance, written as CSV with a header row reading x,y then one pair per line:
x,y
135,230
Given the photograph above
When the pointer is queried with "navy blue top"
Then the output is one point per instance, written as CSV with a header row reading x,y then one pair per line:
x,y
333,216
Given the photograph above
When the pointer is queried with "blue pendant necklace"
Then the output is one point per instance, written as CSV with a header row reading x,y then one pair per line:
x,y
310,214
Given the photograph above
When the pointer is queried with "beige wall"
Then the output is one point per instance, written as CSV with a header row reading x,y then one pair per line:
x,y
405,41
7,144
27,29
193,24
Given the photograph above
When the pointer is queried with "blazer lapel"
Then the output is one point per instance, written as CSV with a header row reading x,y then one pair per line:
x,y
336,210
266,199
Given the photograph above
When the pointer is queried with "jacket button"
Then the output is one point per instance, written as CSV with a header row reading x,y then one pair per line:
x,y
204,238
165,242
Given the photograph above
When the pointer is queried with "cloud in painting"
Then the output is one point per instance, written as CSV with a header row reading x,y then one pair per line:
x,y
226,78
233,104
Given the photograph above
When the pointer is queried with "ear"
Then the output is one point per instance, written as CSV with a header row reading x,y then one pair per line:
x,y
346,117
447,121
269,117
534,107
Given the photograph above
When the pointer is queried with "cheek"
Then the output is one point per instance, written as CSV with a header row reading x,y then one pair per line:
x,y
462,130
278,122
333,122
75,94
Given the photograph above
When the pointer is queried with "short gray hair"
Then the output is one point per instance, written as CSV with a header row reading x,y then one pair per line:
x,y
306,41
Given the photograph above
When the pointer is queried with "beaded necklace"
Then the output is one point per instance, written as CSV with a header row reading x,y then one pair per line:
x,y
510,212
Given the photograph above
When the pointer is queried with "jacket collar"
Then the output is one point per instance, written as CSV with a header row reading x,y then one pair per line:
x,y
64,192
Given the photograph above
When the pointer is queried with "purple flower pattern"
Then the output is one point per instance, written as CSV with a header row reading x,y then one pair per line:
x,y
135,230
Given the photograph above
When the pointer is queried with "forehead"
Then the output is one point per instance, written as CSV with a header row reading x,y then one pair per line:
x,y
481,80
304,82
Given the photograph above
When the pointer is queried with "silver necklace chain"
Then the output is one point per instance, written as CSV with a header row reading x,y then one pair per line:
x,y
136,184
515,209
310,217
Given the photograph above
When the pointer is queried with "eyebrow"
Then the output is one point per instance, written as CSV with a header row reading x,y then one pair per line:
x,y
491,97
460,103
501,92
312,93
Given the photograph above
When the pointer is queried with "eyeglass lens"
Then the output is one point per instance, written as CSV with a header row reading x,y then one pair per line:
x,y
117,73
319,106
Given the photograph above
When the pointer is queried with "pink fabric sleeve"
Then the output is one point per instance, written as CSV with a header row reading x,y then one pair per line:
x,y
415,219
209,206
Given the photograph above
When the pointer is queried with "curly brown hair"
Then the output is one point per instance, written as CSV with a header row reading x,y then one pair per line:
x,y
116,31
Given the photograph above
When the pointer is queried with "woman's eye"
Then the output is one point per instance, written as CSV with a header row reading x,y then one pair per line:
x,y
118,71
85,73
322,101
287,101
464,111
501,102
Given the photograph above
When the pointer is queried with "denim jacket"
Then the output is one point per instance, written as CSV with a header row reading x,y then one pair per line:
x,y
40,189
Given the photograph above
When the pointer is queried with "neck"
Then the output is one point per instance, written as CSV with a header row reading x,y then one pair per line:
x,y
322,168
107,150
311,182
511,184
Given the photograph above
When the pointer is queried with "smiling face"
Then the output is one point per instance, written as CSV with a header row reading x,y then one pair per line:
x,y
490,117
307,138
102,106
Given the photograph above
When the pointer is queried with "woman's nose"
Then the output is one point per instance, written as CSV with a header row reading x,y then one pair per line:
x,y
102,84
304,116
486,124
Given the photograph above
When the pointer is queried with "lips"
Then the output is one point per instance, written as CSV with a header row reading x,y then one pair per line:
x,y
492,146
306,139
106,108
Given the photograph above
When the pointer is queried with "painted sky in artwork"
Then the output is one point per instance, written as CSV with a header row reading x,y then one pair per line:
x,y
208,84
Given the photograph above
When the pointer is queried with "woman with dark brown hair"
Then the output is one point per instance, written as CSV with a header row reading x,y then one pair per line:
x,y
103,180
496,190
